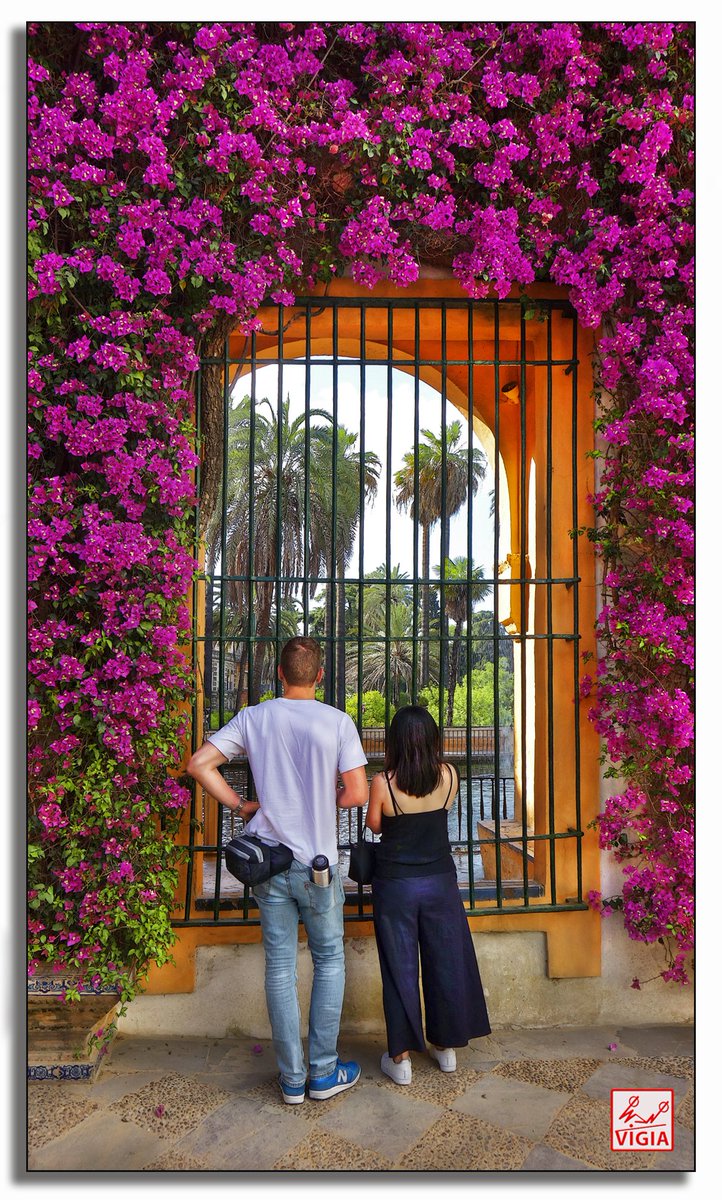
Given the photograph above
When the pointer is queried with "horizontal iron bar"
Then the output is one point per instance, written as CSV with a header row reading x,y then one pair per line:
x,y
353,361
511,909
431,581
419,302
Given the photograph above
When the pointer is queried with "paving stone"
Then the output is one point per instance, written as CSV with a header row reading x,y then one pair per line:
x,y
239,1136
104,1142
665,1064
684,1113
170,1106
322,1151
679,1159
512,1105
172,1160
382,1120
656,1040
267,1096
110,1088
239,1081
430,1083
558,1042
51,1113
558,1074
185,1055
581,1130
545,1158
619,1075
462,1143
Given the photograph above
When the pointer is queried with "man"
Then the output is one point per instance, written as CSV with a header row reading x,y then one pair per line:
x,y
297,748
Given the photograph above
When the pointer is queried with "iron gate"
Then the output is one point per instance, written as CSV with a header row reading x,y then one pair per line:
x,y
390,484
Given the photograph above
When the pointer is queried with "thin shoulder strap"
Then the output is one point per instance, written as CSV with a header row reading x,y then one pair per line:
x,y
452,773
399,811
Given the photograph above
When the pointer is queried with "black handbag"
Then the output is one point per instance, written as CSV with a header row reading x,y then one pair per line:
x,y
252,861
363,859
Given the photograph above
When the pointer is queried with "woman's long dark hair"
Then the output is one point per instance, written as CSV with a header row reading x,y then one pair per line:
x,y
413,751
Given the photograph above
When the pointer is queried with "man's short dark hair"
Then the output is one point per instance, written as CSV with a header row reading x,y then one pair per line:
x,y
301,661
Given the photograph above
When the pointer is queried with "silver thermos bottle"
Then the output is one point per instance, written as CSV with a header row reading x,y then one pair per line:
x,y
320,871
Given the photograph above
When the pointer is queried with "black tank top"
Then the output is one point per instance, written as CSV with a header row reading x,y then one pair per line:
x,y
414,844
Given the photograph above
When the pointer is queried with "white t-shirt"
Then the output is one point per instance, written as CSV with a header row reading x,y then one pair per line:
x,y
296,750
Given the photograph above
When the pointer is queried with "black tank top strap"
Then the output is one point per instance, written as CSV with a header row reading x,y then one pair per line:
x,y
399,811
452,773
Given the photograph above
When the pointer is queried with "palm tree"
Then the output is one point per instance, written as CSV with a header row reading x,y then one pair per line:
x,y
398,649
266,478
340,494
393,587
463,588
436,479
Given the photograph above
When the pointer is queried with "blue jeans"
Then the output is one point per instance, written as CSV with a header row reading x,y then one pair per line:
x,y
281,900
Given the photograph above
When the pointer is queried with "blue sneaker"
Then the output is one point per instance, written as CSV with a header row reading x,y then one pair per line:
x,y
292,1093
343,1076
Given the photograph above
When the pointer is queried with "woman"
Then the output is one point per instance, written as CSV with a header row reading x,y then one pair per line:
x,y
417,906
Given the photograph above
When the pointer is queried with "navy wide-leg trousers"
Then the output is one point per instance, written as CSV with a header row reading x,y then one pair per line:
x,y
424,917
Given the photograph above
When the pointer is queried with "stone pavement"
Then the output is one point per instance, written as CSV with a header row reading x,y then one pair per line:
x,y
532,1100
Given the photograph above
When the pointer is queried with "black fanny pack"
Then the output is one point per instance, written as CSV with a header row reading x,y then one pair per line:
x,y
251,861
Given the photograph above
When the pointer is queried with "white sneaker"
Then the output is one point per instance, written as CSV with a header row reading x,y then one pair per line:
x,y
400,1072
445,1058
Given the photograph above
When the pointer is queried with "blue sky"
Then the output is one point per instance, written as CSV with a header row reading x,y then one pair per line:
x,y
396,535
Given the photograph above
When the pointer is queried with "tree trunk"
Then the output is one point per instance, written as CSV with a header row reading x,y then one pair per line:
x,y
341,638
242,689
329,655
263,628
453,672
425,609
211,421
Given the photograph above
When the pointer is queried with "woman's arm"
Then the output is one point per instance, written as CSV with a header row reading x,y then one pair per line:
x,y
376,800
453,783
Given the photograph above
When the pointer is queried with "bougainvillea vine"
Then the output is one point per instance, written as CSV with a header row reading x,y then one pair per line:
x,y
180,176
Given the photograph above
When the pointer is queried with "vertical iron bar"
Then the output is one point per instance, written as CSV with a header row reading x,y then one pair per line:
x,y
575,572
415,568
361,813
389,477
280,532
251,617
443,639
195,740
497,790
333,572
307,473
222,623
523,630
362,515
550,622
470,831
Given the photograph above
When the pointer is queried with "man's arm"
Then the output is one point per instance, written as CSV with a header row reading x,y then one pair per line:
x,y
203,766
353,792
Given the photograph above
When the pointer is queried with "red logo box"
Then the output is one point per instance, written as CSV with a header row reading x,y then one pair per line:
x,y
642,1119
